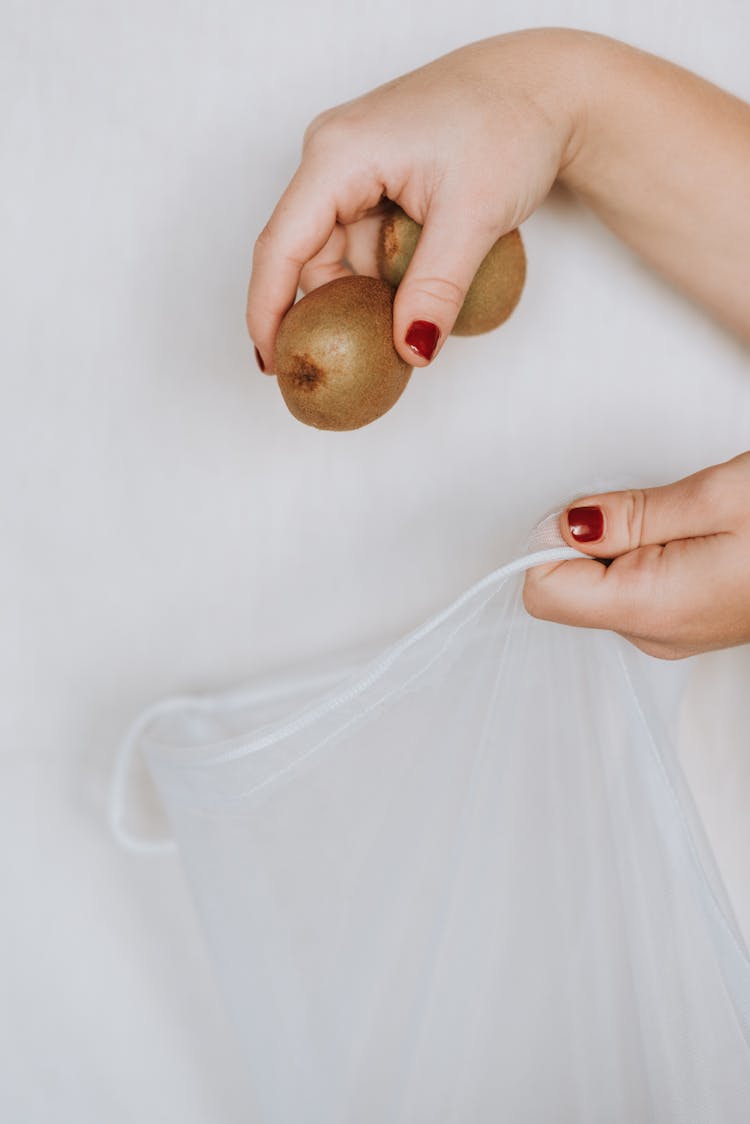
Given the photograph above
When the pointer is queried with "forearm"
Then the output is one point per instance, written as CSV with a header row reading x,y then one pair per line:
x,y
663,157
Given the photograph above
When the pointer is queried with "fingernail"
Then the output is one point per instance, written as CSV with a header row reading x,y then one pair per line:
x,y
422,338
586,523
259,360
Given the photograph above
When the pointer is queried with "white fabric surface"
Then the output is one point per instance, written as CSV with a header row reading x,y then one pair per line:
x,y
167,526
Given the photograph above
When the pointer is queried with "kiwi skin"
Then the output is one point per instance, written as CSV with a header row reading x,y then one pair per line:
x,y
497,285
334,357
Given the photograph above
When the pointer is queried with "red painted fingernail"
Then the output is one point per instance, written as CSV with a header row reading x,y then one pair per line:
x,y
586,523
259,360
422,338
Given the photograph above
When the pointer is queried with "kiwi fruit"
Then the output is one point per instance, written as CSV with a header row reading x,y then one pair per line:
x,y
335,361
497,285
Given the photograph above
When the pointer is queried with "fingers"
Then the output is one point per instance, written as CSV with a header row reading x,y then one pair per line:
x,y
677,582
613,523
335,183
306,245
350,249
298,229
329,264
663,598
450,250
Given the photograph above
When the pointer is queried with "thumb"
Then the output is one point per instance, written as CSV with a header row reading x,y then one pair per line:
x,y
614,523
432,290
647,587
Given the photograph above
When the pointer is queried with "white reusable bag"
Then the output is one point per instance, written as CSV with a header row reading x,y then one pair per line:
x,y
460,883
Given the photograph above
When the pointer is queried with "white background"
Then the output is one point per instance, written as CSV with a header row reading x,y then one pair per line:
x,y
167,526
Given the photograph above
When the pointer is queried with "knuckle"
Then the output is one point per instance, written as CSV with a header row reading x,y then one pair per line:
x,y
533,598
529,597
330,131
635,517
448,295
271,245
313,129
264,242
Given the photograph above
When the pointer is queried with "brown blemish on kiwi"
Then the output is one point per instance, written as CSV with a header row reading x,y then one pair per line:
x,y
305,374
389,240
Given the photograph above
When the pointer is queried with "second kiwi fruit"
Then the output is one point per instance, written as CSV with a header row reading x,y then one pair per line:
x,y
497,285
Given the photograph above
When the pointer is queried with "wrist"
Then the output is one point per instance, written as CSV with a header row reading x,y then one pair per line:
x,y
559,73
582,71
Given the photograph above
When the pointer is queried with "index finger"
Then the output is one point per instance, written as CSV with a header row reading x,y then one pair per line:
x,y
654,593
300,226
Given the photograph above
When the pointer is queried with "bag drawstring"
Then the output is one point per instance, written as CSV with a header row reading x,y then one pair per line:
x,y
545,545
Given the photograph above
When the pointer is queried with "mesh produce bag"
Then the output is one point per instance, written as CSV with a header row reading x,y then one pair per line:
x,y
461,881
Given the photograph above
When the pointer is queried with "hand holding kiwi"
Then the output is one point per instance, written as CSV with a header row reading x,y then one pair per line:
x,y
336,364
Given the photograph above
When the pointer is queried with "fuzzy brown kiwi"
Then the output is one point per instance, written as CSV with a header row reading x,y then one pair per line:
x,y
334,357
497,285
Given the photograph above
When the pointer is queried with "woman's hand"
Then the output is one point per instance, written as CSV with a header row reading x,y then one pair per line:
x,y
679,582
468,146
